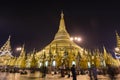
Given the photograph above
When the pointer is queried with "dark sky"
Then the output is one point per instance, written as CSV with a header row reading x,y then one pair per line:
x,y
35,23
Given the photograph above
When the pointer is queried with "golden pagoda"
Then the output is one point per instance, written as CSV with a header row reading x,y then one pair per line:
x,y
61,47
5,53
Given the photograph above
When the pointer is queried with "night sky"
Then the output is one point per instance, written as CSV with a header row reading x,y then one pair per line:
x,y
35,23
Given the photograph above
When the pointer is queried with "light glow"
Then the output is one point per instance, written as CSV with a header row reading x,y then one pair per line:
x,y
79,39
18,49
73,63
117,49
71,39
89,65
76,39
46,63
54,63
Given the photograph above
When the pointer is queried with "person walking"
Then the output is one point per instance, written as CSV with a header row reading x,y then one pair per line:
x,y
73,70
93,72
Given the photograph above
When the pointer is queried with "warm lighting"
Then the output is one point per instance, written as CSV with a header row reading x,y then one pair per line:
x,y
43,50
73,63
46,63
40,64
117,49
71,38
54,63
76,39
18,49
79,39
89,65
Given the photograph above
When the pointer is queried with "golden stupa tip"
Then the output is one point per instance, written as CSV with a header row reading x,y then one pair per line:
x,y
62,15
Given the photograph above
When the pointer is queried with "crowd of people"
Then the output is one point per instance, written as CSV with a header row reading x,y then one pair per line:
x,y
92,72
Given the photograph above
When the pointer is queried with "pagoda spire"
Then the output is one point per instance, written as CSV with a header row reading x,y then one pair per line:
x,y
104,52
62,23
22,53
62,32
117,39
6,48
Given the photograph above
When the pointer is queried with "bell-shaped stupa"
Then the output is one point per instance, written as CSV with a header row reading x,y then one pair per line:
x,y
61,42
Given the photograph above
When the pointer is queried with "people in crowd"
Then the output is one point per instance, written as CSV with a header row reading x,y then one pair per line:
x,y
73,70
44,71
68,71
63,71
111,72
93,72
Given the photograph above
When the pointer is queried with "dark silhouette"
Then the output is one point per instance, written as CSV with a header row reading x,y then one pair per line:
x,y
62,71
93,73
44,71
73,72
111,72
68,71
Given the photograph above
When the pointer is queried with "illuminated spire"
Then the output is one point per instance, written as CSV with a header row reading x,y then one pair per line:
x,y
117,39
62,15
62,32
6,48
33,62
22,54
104,53
104,50
62,22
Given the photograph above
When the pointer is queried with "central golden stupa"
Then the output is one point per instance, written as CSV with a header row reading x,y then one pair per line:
x,y
61,43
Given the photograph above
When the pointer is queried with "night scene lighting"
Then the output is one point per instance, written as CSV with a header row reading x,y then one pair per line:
x,y
62,40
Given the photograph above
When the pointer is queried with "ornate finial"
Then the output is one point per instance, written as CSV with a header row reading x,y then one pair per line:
x,y
33,50
9,37
62,32
23,45
62,15
116,33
